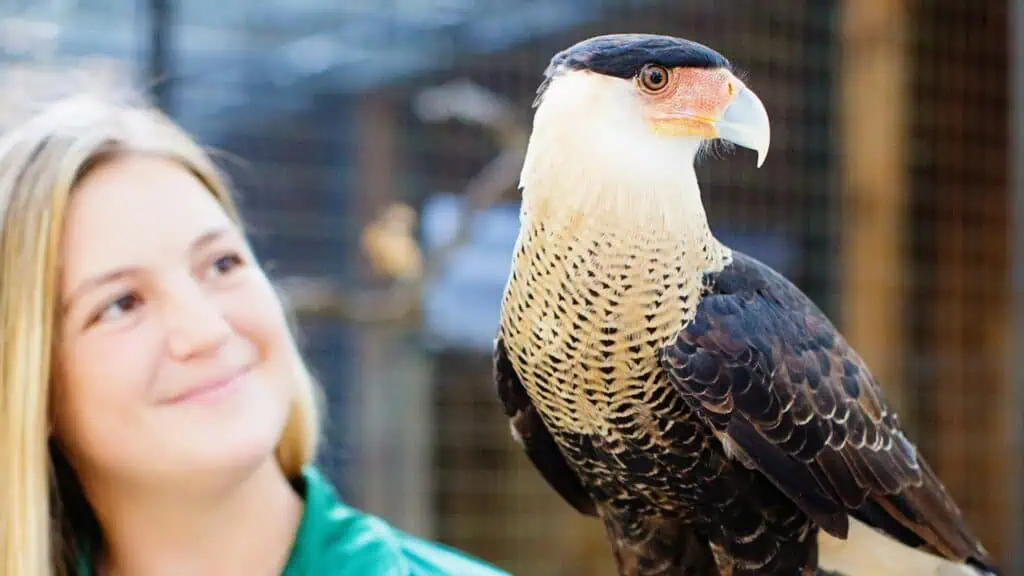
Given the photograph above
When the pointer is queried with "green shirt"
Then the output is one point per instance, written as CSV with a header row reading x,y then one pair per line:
x,y
336,539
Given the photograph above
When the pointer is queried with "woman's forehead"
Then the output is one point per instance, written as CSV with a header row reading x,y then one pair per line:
x,y
136,207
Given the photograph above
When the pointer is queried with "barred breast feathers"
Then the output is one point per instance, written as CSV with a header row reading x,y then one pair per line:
x,y
609,264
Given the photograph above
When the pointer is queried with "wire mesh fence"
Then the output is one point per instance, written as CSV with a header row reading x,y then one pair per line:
x,y
888,206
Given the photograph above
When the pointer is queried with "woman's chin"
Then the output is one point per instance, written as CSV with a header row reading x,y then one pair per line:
x,y
241,432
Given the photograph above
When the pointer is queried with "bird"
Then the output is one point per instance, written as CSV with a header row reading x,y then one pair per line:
x,y
684,394
389,244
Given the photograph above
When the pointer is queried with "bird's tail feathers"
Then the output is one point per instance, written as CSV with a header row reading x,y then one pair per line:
x,y
939,521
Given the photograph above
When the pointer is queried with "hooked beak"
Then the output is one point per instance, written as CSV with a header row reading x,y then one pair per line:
x,y
744,122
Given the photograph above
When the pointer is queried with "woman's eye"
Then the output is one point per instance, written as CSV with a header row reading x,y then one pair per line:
x,y
224,264
117,308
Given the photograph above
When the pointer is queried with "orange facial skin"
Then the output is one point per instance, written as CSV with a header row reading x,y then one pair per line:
x,y
685,101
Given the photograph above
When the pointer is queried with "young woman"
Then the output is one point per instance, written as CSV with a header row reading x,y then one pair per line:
x,y
156,415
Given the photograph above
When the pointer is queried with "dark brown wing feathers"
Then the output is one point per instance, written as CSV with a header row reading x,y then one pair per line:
x,y
773,377
536,440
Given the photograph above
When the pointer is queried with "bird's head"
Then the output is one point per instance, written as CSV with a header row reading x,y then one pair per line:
x,y
620,106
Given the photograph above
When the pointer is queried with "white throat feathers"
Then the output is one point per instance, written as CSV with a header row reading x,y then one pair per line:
x,y
593,157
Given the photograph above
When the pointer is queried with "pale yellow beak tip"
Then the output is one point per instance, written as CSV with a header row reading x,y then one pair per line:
x,y
745,123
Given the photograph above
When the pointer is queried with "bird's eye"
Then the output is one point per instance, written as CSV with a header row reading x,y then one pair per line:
x,y
654,77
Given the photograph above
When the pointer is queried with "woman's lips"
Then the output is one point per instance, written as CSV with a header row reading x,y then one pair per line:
x,y
212,389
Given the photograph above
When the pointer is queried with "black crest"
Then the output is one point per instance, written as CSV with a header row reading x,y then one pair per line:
x,y
623,55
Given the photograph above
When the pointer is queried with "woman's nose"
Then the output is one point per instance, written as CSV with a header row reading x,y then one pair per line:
x,y
195,322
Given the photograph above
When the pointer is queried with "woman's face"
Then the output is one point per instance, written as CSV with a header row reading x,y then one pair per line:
x,y
173,352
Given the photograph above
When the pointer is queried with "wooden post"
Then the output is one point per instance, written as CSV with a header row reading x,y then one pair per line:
x,y
1015,340
873,101
969,312
394,397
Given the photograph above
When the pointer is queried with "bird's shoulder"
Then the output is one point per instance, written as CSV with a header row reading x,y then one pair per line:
x,y
749,310
772,376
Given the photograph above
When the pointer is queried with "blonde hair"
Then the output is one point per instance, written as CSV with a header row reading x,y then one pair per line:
x,y
41,160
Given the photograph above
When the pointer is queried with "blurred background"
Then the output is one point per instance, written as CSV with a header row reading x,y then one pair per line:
x,y
376,145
